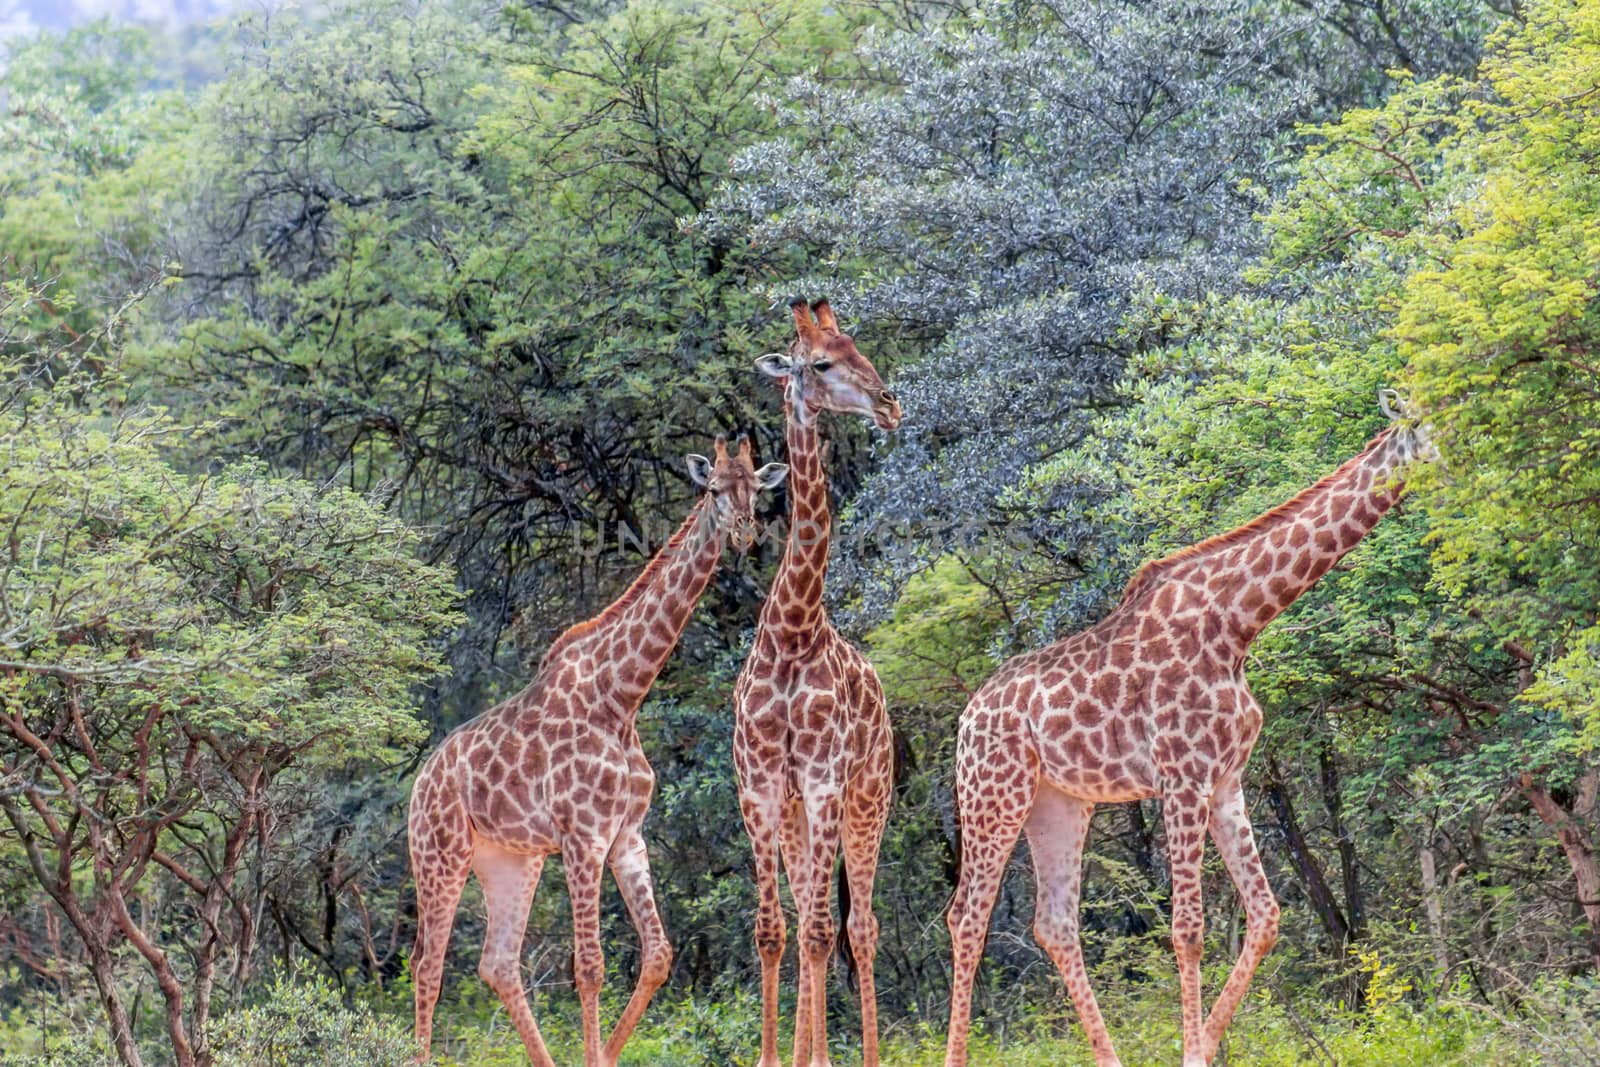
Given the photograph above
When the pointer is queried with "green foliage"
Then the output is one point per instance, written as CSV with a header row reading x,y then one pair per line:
x,y
300,1019
471,280
1479,198
269,610
180,655
935,647
1432,665
1501,337
1267,1033
89,153
481,273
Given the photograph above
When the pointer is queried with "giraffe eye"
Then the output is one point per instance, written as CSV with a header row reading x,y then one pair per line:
x,y
821,365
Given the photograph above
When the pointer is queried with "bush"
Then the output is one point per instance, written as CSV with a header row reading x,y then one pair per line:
x,y
303,1023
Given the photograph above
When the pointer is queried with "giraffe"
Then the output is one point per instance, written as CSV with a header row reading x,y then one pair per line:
x,y
558,768
1150,702
811,742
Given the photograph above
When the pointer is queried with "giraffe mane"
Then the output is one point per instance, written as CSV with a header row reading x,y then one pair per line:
x,y
1155,569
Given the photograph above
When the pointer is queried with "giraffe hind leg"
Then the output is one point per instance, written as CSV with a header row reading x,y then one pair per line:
x,y
995,796
1057,829
584,862
509,880
865,817
441,848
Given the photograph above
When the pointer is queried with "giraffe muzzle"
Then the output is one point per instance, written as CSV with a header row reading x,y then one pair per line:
x,y
743,535
886,412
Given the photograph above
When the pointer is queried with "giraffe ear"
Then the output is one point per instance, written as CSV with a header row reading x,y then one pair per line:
x,y
775,365
771,476
699,469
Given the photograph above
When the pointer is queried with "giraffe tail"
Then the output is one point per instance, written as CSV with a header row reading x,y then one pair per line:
x,y
842,939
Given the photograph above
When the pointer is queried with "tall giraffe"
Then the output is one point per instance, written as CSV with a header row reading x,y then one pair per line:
x,y
1151,702
811,738
558,768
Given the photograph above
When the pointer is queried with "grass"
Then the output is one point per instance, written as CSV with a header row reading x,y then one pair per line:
x,y
725,1033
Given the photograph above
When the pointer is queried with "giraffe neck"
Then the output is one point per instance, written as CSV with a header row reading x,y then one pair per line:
x,y
793,612
1270,561
632,638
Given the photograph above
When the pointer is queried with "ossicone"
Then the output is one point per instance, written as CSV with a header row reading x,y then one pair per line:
x,y
803,322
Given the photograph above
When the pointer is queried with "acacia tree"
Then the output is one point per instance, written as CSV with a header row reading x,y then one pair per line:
x,y
83,162
440,250
178,654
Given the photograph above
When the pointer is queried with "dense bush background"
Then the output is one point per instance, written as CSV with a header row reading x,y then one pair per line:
x,y
338,346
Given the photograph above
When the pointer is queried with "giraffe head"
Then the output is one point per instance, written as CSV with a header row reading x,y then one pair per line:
x,y
823,371
732,482
1411,434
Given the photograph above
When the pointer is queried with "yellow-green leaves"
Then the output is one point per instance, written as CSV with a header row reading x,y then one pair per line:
x,y
1501,331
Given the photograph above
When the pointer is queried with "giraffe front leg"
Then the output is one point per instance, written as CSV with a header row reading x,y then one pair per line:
x,y
1058,829
1185,812
865,818
585,863
630,865
761,820
794,841
1230,829
817,930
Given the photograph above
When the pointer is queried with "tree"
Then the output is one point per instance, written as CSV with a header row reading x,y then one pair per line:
x,y
85,163
180,655
1485,188
1004,195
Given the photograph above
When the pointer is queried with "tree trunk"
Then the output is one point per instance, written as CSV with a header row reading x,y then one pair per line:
x,y
1579,850
1349,866
1433,903
216,895
1323,901
105,983
1355,908
166,978
91,929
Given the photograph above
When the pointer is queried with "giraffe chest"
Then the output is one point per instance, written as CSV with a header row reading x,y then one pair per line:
x,y
807,716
